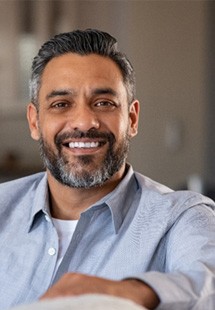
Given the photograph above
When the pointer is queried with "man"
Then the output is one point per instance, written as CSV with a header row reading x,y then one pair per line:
x,y
90,224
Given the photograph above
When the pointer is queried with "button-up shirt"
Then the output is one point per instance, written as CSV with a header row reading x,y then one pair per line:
x,y
141,230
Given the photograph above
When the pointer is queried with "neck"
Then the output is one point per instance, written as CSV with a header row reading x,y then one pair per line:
x,y
68,203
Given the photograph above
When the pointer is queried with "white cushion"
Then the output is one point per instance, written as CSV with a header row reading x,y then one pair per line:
x,y
83,302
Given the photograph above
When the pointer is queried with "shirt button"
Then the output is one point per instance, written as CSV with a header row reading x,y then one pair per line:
x,y
51,251
47,218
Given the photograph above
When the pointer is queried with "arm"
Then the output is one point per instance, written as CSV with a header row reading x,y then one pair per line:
x,y
189,275
72,284
188,281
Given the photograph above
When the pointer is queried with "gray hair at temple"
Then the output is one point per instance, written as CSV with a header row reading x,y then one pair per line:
x,y
82,42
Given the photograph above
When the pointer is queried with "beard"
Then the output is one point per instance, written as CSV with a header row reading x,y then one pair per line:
x,y
77,174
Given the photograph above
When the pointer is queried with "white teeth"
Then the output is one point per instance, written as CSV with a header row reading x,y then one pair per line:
x,y
83,144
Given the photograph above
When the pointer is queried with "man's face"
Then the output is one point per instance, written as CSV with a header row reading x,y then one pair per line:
x,y
84,123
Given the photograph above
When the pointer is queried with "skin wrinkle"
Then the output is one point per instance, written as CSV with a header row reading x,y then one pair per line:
x,y
70,91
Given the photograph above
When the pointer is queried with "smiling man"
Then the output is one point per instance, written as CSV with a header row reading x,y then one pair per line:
x,y
90,224
84,123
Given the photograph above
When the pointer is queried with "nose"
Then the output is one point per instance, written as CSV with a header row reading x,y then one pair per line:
x,y
84,119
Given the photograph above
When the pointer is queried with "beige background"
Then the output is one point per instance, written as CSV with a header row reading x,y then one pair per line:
x,y
169,44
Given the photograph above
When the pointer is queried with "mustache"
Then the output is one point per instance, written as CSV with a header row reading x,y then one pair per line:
x,y
78,134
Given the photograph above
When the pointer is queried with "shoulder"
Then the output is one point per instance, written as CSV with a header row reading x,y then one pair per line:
x,y
161,208
162,197
18,188
22,181
148,184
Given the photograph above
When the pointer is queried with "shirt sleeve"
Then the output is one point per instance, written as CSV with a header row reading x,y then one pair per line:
x,y
189,278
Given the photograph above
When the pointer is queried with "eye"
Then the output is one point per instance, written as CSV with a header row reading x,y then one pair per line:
x,y
105,104
60,105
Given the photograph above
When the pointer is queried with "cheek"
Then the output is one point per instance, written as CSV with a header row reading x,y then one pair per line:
x,y
52,126
120,128
49,129
124,123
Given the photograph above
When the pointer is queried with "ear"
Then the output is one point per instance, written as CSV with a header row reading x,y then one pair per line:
x,y
32,116
134,110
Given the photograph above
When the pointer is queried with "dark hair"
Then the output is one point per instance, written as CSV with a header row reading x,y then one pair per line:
x,y
82,42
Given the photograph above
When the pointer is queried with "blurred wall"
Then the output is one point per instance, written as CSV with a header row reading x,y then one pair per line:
x,y
168,44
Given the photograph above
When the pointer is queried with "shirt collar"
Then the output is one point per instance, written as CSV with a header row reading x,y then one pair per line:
x,y
122,197
118,201
40,199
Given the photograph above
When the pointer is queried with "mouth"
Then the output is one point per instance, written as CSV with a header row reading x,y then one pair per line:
x,y
84,144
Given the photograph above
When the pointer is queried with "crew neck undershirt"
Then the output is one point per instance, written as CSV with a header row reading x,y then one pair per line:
x,y
65,230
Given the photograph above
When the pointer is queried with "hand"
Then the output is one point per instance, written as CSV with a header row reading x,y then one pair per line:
x,y
72,284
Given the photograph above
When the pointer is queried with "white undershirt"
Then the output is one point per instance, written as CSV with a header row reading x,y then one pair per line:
x,y
65,230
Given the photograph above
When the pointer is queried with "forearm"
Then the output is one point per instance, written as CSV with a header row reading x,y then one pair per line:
x,y
141,293
73,284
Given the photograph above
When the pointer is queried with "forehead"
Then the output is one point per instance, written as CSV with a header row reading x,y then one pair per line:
x,y
76,67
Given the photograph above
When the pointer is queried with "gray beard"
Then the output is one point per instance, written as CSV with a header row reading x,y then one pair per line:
x,y
71,175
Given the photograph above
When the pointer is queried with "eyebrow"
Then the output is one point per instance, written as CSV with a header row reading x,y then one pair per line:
x,y
104,91
60,92
94,92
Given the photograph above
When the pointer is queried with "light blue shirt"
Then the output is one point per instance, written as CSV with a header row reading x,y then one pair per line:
x,y
142,230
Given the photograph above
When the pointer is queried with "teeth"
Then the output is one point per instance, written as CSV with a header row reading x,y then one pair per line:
x,y
86,145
